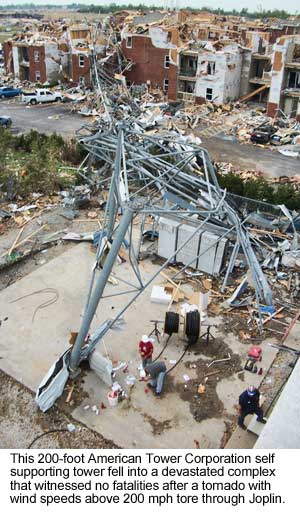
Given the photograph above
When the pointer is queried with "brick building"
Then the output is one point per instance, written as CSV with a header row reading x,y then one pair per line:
x,y
153,58
44,57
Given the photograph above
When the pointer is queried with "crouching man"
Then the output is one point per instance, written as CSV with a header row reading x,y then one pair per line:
x,y
157,371
249,404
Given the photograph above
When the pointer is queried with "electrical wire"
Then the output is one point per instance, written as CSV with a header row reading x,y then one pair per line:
x,y
42,305
46,433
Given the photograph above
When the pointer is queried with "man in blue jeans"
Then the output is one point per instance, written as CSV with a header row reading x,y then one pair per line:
x,y
157,371
249,404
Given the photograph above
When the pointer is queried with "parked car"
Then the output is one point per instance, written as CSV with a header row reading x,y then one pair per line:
x,y
284,138
5,121
9,92
40,96
262,134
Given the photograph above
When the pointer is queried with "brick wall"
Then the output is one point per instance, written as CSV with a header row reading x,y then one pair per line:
x,y
271,109
149,65
37,66
200,100
7,56
81,71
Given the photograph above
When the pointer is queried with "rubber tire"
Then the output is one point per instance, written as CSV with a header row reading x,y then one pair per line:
x,y
33,102
2,97
171,323
192,326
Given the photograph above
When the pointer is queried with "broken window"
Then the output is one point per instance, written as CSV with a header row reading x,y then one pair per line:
x,y
37,76
82,81
296,53
209,93
190,87
129,42
36,56
81,61
167,61
211,68
192,63
166,84
294,80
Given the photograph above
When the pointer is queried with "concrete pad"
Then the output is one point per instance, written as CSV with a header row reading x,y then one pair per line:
x,y
228,394
241,439
28,349
282,428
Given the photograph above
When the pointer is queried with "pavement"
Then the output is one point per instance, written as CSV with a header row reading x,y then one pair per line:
x,y
282,429
47,118
59,118
250,157
28,348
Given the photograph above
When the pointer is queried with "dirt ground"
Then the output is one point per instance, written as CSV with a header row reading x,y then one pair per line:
x,y
21,422
206,404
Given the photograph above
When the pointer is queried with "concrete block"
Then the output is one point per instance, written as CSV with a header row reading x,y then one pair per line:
x,y
254,426
101,366
158,295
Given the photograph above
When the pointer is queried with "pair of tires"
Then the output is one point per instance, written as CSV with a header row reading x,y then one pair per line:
x,y
191,325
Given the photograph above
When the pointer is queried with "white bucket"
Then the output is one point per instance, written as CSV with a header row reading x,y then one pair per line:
x,y
112,400
130,380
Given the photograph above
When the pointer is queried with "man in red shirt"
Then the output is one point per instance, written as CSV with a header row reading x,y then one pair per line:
x,y
146,350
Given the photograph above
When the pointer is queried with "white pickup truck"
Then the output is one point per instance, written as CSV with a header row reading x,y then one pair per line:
x,y
40,96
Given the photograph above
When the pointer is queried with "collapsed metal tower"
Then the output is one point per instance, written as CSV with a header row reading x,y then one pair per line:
x,y
147,174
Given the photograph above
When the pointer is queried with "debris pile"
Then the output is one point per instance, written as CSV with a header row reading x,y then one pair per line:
x,y
253,127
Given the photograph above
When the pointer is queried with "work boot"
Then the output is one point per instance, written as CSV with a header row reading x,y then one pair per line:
x,y
262,421
243,427
150,385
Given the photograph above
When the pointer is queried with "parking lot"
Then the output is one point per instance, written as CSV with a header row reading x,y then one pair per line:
x,y
55,117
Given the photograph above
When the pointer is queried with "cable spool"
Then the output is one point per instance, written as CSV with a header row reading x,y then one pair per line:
x,y
192,326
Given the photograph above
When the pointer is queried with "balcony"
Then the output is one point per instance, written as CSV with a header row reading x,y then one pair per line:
x,y
261,57
293,92
186,97
264,80
295,65
188,73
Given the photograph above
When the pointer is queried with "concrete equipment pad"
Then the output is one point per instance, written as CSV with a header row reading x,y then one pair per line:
x,y
282,428
29,347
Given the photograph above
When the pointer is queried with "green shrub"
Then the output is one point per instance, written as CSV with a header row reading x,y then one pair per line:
x,y
31,162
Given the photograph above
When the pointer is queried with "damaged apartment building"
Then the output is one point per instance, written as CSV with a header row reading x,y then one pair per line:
x,y
285,84
53,52
196,71
202,58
